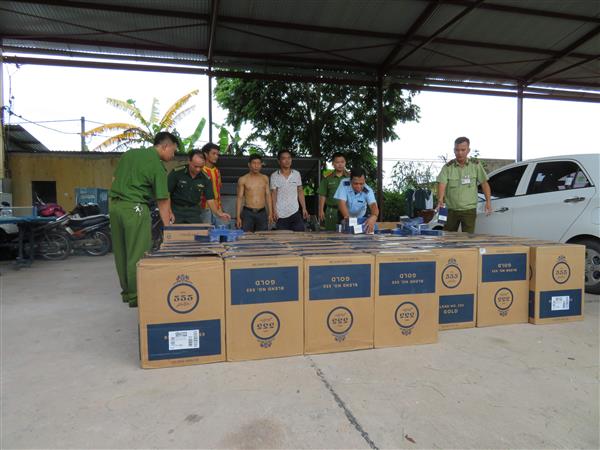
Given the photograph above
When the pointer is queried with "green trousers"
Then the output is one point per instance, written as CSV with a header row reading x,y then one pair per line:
x,y
331,218
465,218
130,225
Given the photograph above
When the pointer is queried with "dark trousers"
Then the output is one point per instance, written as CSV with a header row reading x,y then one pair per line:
x,y
187,214
465,218
254,220
294,223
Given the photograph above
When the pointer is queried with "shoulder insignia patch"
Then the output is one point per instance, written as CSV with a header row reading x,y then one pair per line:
x,y
347,183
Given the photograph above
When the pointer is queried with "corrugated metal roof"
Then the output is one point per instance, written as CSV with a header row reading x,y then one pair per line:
x,y
500,44
19,139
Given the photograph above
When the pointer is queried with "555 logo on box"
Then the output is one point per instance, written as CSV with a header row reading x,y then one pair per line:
x,y
265,326
503,299
339,322
183,297
561,272
451,275
406,316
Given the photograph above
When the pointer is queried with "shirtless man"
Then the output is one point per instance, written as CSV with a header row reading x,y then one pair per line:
x,y
254,193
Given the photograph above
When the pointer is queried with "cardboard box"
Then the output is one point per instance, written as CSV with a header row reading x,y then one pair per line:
x,y
457,286
556,287
503,285
264,307
387,225
338,302
181,311
406,304
185,232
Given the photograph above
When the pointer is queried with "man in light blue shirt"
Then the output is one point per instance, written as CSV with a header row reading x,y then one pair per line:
x,y
354,195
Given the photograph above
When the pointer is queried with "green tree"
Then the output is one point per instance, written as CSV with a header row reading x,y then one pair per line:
x,y
412,175
231,143
314,119
142,132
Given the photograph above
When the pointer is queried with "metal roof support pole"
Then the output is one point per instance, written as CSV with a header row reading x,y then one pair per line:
x,y
380,144
212,29
83,146
520,122
2,149
210,121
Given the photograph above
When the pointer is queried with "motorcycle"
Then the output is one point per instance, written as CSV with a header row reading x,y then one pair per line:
x,y
51,243
45,240
90,233
48,209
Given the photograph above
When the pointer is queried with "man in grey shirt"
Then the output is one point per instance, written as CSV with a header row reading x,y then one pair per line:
x,y
288,195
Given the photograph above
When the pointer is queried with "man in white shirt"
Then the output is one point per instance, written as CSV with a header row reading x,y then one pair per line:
x,y
288,195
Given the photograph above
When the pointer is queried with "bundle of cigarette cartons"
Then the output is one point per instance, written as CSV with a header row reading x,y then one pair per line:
x,y
275,294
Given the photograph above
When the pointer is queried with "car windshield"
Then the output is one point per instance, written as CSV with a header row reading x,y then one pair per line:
x,y
504,184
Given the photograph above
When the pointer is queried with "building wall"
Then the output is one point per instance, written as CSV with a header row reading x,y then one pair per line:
x,y
70,170
493,164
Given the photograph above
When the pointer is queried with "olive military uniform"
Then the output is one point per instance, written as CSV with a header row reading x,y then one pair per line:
x,y
461,193
186,194
140,177
327,188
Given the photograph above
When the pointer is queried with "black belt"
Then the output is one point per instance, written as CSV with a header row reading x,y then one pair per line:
x,y
254,210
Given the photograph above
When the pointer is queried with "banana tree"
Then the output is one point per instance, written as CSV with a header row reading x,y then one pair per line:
x,y
142,132
187,144
231,142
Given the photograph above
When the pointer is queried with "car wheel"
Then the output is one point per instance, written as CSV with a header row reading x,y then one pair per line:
x,y
592,265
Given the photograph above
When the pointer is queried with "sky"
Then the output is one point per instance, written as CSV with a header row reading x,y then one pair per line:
x,y
56,98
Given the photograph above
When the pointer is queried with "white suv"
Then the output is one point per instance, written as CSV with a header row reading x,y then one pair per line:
x,y
554,198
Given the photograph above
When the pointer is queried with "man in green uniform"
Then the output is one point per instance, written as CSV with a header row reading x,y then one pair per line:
x,y
457,185
327,188
140,177
186,186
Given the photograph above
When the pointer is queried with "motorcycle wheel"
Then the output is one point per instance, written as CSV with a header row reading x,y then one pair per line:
x,y
104,244
54,247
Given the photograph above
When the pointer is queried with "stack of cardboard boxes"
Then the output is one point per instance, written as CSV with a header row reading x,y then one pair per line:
x,y
283,294
556,285
338,302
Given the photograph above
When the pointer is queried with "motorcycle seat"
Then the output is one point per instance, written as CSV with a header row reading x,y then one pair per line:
x,y
88,221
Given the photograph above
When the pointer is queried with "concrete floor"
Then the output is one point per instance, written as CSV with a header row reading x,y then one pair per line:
x,y
71,379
